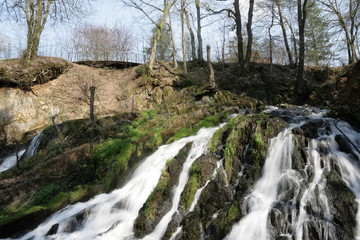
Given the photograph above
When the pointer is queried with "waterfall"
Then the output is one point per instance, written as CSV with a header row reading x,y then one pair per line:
x,y
198,148
349,163
288,202
112,216
33,146
10,161
259,202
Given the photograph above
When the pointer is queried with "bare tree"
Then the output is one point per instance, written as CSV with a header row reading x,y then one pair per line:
x,y
36,14
347,15
192,36
249,34
211,68
146,7
283,30
235,14
183,43
101,42
174,50
198,30
302,14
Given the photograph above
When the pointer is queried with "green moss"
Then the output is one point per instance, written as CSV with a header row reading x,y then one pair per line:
x,y
230,151
149,210
79,193
45,194
61,199
189,129
142,70
187,197
257,148
233,213
190,191
21,214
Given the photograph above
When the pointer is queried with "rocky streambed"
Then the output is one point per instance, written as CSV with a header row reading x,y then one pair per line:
x,y
283,174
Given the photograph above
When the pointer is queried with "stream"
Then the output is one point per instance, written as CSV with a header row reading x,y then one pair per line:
x,y
292,198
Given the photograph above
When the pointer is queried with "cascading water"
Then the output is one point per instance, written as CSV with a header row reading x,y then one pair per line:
x,y
196,151
28,152
259,202
291,200
112,216
10,161
33,146
293,203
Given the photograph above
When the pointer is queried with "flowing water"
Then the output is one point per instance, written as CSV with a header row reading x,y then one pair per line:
x,y
10,161
291,202
259,202
112,216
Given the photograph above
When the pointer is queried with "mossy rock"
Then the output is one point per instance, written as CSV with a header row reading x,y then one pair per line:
x,y
200,172
159,201
191,226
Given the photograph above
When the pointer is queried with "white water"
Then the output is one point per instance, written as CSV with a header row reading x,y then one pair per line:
x,y
10,161
199,147
259,202
176,233
349,165
308,186
32,148
315,197
199,191
111,216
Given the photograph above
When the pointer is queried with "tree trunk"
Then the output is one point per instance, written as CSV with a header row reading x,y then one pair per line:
x,y
192,37
343,21
293,39
36,13
157,35
240,45
315,47
211,68
92,105
173,43
223,43
283,29
250,35
183,35
56,126
302,11
269,82
354,27
199,37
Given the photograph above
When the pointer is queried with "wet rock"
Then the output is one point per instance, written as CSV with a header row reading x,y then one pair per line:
x,y
19,226
192,226
310,130
299,155
342,206
343,145
159,202
53,230
71,225
175,222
